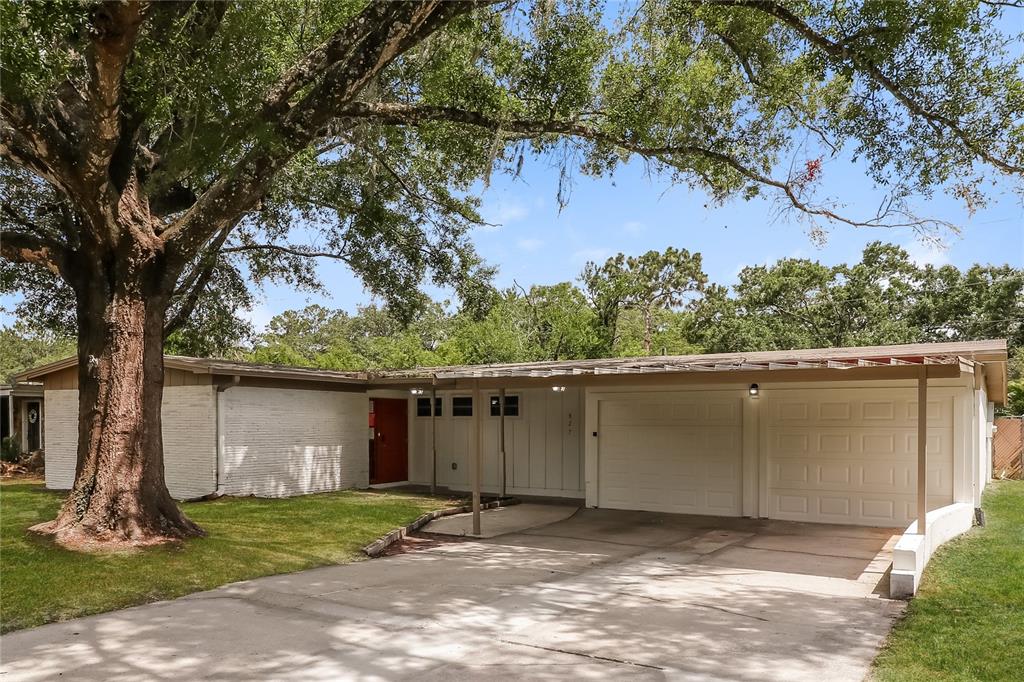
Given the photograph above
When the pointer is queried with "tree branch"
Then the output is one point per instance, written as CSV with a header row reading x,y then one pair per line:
x,y
411,115
196,281
368,44
115,27
23,247
844,53
290,250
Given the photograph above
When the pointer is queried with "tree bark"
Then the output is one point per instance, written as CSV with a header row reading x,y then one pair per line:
x,y
119,495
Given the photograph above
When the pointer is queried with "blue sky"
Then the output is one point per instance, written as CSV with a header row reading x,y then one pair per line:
x,y
633,212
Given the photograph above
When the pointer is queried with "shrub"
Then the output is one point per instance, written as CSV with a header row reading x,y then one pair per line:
x,y
10,449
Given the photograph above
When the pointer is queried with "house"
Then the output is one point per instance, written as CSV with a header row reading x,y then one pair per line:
x,y
21,415
889,436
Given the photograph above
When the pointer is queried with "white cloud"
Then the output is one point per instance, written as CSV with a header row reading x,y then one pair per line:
x,y
259,316
504,211
634,227
529,244
597,255
923,254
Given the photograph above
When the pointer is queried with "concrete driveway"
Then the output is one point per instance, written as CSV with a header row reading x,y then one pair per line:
x,y
599,595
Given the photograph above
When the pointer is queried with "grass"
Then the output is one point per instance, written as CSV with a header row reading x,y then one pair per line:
x,y
247,538
967,620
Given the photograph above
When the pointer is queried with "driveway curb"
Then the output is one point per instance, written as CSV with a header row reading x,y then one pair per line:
x,y
380,545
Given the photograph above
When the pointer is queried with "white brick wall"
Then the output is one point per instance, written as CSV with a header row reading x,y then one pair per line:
x,y
61,430
190,439
281,442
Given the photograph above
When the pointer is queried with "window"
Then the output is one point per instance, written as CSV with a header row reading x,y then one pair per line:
x,y
511,406
462,406
423,407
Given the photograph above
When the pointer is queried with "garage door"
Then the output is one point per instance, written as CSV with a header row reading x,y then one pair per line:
x,y
677,453
850,455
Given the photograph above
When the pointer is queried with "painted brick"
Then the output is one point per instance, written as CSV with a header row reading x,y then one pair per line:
x,y
189,431
282,442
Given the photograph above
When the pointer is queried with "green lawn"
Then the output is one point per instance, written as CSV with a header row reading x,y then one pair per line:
x,y
967,620
247,538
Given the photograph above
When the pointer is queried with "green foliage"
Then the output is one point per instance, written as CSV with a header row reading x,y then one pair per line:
x,y
644,284
22,348
1015,398
716,96
10,449
884,299
660,302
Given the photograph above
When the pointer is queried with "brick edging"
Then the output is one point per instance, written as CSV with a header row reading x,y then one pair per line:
x,y
377,547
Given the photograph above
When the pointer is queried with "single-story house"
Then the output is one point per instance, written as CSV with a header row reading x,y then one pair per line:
x,y
888,436
21,415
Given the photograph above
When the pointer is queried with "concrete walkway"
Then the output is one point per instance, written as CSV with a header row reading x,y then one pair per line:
x,y
600,595
501,520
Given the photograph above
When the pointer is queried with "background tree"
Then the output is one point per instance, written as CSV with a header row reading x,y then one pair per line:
x,y
147,144
21,348
645,284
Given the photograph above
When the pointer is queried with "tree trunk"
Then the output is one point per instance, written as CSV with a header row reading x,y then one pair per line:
x,y
119,496
648,330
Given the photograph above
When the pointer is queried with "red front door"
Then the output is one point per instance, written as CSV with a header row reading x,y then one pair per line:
x,y
390,441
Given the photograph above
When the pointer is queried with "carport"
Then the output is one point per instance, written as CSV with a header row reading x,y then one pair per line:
x,y
884,436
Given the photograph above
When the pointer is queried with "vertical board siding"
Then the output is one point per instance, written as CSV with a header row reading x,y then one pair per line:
x,y
543,448
67,378
282,442
189,433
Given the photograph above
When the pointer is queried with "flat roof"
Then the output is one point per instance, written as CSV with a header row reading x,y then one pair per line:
x,y
964,354
218,366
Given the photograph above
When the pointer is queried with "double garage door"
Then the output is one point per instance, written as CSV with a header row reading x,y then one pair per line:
x,y
824,455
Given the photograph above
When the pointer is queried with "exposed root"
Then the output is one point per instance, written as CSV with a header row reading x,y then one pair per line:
x,y
80,537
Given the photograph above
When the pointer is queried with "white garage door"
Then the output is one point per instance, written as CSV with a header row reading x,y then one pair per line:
x,y
677,453
850,455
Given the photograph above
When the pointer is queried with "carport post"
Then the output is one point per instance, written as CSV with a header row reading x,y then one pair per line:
x,y
922,449
433,438
477,408
501,431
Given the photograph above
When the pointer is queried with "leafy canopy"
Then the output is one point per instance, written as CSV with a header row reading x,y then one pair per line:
x,y
264,135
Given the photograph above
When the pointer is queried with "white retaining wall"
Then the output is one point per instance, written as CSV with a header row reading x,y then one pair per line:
x,y
913,551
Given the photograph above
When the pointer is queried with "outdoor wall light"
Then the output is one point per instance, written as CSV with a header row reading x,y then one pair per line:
x,y
416,391
558,389
754,390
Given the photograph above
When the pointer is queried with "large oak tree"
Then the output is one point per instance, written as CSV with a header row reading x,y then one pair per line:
x,y
154,149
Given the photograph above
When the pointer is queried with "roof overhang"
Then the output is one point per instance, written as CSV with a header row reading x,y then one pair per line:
x,y
219,368
22,389
986,360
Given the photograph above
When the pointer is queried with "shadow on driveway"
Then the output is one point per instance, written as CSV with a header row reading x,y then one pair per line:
x,y
600,595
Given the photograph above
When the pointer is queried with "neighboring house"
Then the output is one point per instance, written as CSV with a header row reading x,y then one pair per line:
x,y
824,436
21,415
